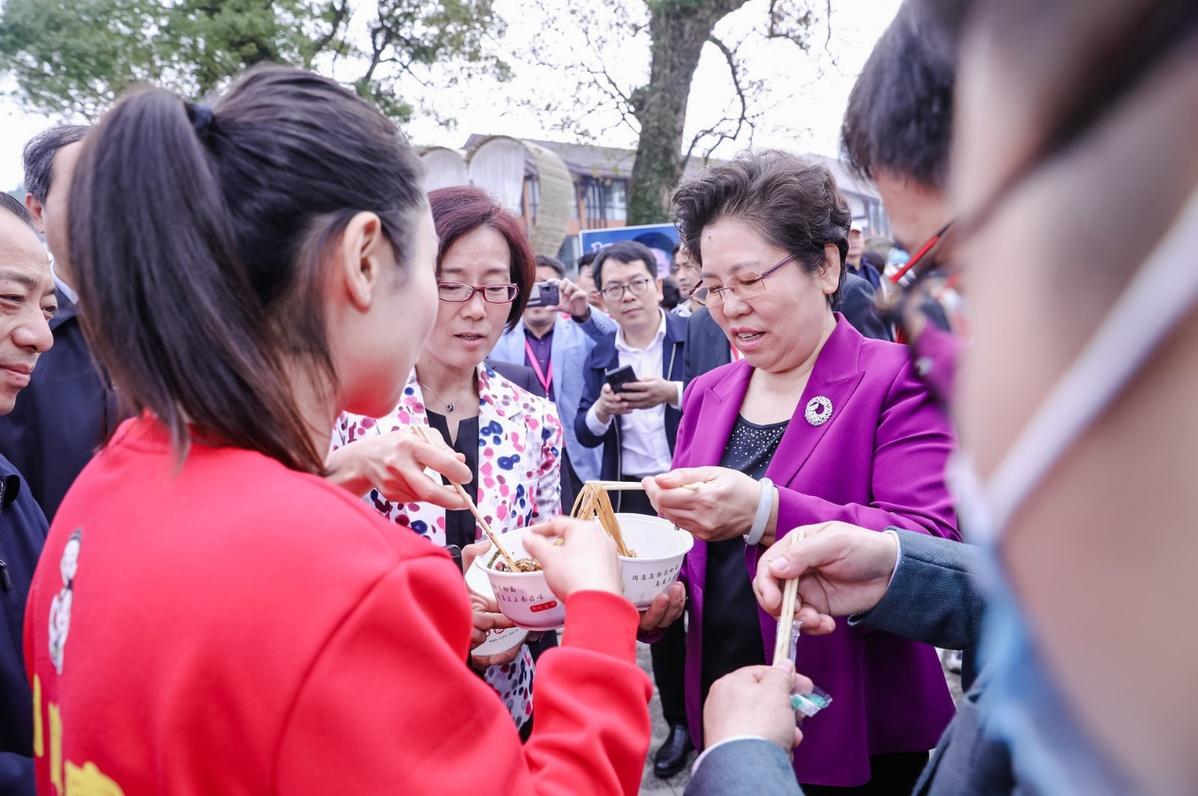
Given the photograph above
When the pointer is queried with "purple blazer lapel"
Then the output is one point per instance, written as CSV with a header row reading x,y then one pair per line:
x,y
717,416
705,446
835,377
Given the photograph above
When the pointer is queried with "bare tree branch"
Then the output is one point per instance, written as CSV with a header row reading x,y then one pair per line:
x,y
340,15
380,37
609,83
742,97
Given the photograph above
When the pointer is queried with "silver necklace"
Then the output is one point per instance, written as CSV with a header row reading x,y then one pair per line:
x,y
450,406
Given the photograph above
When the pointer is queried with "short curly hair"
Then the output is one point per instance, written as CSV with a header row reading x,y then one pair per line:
x,y
793,203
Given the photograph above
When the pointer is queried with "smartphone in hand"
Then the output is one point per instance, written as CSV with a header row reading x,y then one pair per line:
x,y
544,294
617,378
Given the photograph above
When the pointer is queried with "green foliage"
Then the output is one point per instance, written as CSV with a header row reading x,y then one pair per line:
x,y
74,57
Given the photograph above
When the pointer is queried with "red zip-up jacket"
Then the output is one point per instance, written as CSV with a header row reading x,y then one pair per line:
x,y
232,626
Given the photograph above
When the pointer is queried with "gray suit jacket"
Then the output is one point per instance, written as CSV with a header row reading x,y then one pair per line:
x,y
933,598
752,767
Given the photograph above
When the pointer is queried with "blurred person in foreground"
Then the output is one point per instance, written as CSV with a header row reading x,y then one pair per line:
x,y
1094,93
896,132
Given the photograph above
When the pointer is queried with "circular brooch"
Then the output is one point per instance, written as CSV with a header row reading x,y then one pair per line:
x,y
819,410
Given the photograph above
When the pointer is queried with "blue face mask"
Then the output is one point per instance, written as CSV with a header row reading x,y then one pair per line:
x,y
1050,752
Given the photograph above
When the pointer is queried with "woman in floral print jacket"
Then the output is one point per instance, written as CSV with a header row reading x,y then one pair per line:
x,y
510,439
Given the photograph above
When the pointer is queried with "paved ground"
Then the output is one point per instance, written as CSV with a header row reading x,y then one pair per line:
x,y
651,784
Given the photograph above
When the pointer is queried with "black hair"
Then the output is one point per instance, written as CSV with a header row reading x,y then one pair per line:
x,y
900,112
586,259
461,209
11,204
671,296
552,262
38,156
792,203
624,251
202,277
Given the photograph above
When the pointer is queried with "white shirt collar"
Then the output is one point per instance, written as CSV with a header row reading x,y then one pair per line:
x,y
622,345
66,289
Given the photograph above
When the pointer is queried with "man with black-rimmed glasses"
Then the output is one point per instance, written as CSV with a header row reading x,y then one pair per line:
x,y
636,423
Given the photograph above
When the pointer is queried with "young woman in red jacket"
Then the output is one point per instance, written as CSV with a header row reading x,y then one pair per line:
x,y
210,614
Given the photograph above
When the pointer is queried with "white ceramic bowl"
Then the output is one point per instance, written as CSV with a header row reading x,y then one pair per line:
x,y
660,548
524,597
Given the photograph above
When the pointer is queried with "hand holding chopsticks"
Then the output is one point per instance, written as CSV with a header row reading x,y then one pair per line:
x,y
433,438
714,503
787,630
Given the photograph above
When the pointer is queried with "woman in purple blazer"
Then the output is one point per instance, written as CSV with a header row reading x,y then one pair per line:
x,y
816,423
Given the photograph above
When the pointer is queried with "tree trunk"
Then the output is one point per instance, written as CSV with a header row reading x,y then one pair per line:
x,y
678,30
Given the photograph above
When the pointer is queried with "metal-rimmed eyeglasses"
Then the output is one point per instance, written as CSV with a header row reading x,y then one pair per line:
x,y
743,289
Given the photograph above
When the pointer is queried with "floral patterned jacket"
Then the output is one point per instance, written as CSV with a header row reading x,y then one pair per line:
x,y
519,456
519,484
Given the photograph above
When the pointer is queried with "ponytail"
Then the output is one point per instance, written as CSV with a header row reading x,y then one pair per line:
x,y
192,232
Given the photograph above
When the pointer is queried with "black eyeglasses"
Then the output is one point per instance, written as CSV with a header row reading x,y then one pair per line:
x,y
492,294
636,287
743,289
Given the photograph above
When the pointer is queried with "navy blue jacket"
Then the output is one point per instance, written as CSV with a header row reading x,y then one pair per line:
x,y
857,305
61,417
603,358
22,535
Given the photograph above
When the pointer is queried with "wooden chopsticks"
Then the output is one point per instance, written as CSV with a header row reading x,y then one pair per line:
x,y
426,434
790,604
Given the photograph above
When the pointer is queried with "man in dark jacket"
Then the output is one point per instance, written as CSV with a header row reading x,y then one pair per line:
x,y
637,426
858,308
24,336
67,410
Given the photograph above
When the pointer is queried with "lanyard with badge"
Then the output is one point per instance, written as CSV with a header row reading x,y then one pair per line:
x,y
545,377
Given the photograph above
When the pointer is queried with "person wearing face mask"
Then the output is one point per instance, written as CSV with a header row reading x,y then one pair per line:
x,y
816,424
510,439
896,133
210,613
1068,528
